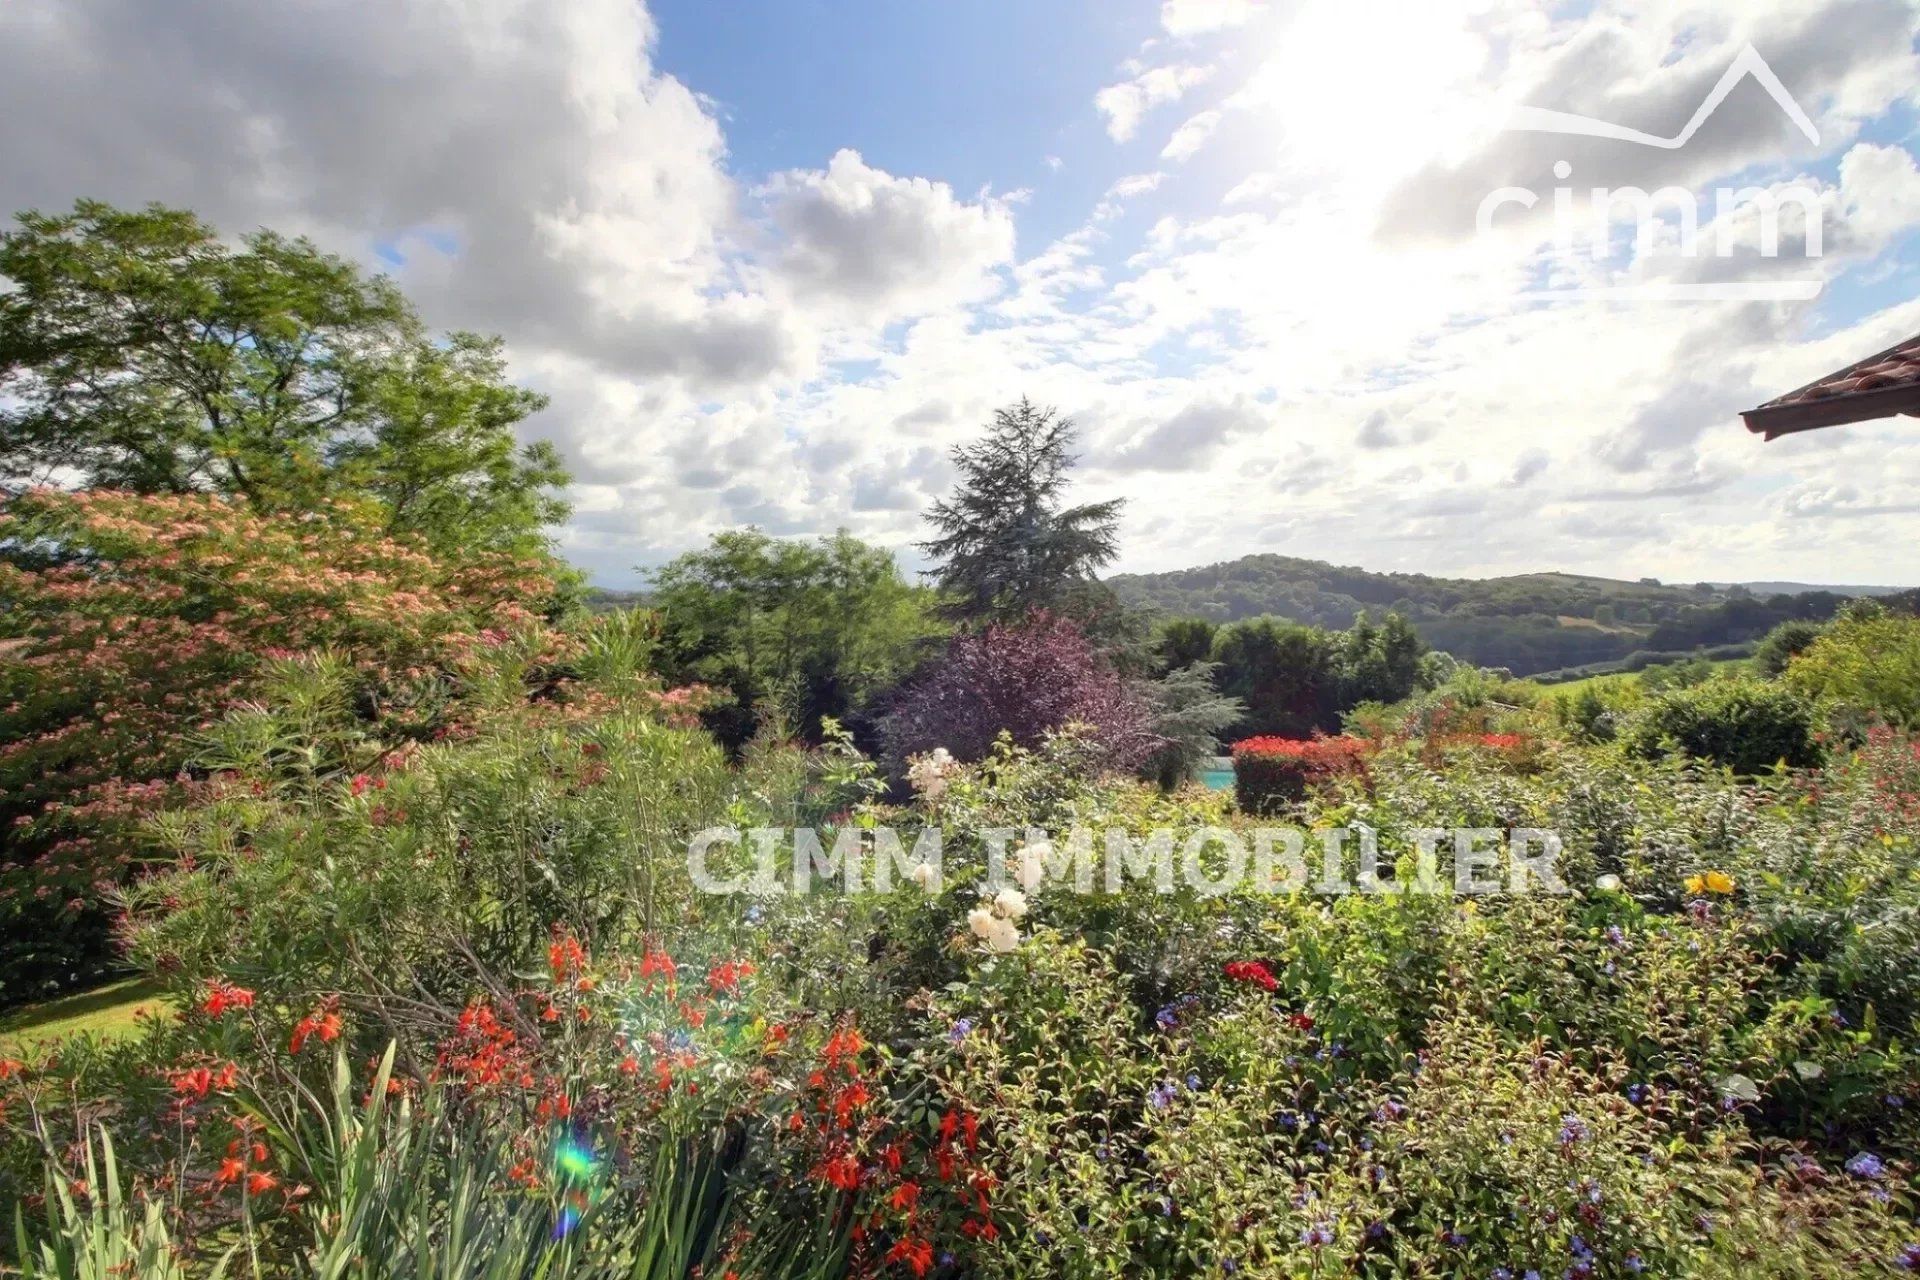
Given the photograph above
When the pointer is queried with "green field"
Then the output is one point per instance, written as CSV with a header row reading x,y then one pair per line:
x,y
111,1011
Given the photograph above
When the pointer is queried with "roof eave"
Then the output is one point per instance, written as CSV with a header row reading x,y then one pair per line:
x,y
1775,420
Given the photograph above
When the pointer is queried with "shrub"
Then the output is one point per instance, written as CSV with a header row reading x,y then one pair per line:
x,y
1745,725
137,620
1270,773
1022,679
1868,662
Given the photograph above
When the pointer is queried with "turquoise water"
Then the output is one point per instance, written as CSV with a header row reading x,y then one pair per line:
x,y
1217,779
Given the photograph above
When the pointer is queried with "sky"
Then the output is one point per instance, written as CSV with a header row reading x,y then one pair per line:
x,y
773,259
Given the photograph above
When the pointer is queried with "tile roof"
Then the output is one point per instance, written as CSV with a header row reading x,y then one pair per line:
x,y
1880,386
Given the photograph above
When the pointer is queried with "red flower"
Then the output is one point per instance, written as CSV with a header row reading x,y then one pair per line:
x,y
1252,971
322,1022
1300,1021
222,996
917,1254
259,1183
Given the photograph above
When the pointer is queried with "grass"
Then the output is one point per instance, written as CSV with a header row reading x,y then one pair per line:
x,y
111,1011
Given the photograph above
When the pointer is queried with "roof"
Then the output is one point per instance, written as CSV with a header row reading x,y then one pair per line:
x,y
1880,386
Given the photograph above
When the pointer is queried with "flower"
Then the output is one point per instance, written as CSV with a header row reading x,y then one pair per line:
x,y
1031,867
960,1030
1002,935
981,921
1572,1129
322,1022
1867,1165
926,875
1161,1094
222,996
928,774
1010,903
1608,884
1252,971
1711,882
1317,1235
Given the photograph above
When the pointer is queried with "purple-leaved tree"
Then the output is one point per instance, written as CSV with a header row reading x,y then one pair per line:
x,y
1025,678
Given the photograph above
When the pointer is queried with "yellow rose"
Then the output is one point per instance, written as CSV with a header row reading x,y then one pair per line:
x,y
1696,884
1719,882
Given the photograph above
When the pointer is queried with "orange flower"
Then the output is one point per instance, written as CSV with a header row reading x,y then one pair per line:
x,y
322,1022
260,1182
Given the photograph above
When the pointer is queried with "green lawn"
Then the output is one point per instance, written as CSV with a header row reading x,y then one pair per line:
x,y
113,1010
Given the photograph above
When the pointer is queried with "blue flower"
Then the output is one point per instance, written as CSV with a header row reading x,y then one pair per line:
x,y
1453,1239
1638,1093
1572,1129
1635,1263
1161,1094
1867,1165
1229,1266
1320,1233
1500,1273
1193,1081
1908,1259
1581,1249
960,1030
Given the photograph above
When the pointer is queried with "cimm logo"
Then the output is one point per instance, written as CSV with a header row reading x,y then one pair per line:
x,y
1670,221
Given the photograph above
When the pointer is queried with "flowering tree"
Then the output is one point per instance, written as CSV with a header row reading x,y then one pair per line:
x,y
136,620
1024,679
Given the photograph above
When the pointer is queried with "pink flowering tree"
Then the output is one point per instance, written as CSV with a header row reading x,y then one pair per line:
x,y
136,620
1024,678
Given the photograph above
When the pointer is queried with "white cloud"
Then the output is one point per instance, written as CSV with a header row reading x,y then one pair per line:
x,y
880,246
1191,136
1196,17
1125,104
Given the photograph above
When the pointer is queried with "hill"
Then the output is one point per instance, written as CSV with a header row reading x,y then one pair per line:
x,y
1528,623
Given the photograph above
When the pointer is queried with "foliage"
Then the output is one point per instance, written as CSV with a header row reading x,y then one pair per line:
x,y
139,351
1527,623
753,615
1189,715
1021,679
1747,726
1270,774
138,619
1006,543
1779,646
1868,663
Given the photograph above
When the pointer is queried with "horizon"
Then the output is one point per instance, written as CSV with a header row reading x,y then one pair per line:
x,y
772,262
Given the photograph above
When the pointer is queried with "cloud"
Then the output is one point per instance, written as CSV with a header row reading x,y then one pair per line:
x,y
1125,104
881,246
1197,17
1191,136
1192,434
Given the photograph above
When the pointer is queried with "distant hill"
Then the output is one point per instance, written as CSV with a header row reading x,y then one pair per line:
x,y
1801,588
1528,622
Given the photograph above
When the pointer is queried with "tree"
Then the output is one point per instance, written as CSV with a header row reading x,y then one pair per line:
x,y
1006,543
1287,675
823,625
138,351
1024,679
1182,642
1189,715
1867,662
1380,664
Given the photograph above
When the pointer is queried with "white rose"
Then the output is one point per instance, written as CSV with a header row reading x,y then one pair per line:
x,y
981,921
1002,936
1032,867
926,875
1608,884
1011,903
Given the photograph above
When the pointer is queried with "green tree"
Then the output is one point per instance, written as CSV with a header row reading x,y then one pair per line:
x,y
821,625
1868,662
139,351
1189,715
1006,543
1286,674
1778,646
1181,642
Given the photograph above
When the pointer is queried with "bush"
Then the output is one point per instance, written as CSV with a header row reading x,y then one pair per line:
x,y
137,620
1747,726
1867,662
1271,773
1022,679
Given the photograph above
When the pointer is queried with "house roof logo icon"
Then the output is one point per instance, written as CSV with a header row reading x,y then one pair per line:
x,y
1747,63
